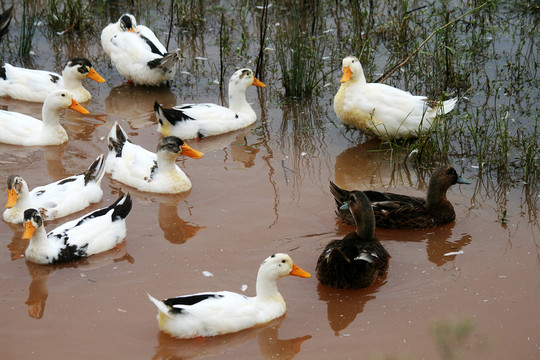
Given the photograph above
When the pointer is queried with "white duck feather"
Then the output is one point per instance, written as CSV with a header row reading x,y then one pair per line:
x,y
147,171
384,110
222,312
36,85
90,234
191,121
20,129
56,199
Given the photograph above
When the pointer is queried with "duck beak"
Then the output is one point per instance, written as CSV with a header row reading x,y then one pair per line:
x,y
296,271
28,230
77,107
461,180
131,30
12,198
258,83
347,73
192,153
92,74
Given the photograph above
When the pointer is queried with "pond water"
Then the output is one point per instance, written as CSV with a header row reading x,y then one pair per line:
x,y
257,191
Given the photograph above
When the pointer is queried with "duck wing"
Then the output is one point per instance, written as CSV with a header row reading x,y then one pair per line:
x,y
395,211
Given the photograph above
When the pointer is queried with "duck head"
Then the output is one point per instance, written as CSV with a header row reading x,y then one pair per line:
x,y
15,186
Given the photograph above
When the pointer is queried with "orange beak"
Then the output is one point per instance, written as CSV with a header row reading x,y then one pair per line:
x,y
92,74
347,73
12,198
77,107
258,83
296,271
28,230
192,153
131,30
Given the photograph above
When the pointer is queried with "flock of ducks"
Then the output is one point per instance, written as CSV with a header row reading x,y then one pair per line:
x,y
356,261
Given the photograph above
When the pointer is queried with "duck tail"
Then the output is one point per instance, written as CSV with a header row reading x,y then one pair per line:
x,y
5,19
117,139
163,309
3,72
341,196
121,207
446,106
95,171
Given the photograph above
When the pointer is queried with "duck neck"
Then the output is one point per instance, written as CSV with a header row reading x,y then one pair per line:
x,y
39,238
358,76
237,100
266,287
51,117
365,227
71,82
166,161
435,196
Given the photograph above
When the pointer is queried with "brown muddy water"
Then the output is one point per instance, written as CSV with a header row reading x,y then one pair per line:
x,y
257,191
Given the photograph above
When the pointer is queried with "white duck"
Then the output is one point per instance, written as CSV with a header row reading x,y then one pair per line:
x,y
36,85
56,199
217,313
191,121
90,234
127,22
20,129
147,171
384,110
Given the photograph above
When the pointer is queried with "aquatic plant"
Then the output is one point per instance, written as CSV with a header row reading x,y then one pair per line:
x,y
28,29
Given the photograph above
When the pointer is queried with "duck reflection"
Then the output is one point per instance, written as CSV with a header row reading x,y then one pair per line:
x,y
38,290
270,346
136,103
343,305
175,229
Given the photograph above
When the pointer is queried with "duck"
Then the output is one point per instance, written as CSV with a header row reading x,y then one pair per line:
x,y
144,170
35,85
93,233
396,211
127,22
216,313
5,19
21,129
190,121
57,199
359,259
383,110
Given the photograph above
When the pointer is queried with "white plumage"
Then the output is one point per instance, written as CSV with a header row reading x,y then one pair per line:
x,y
216,313
20,129
36,85
191,121
381,109
90,234
57,199
147,171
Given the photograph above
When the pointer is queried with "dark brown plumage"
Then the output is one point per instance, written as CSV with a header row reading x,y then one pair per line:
x,y
358,259
395,211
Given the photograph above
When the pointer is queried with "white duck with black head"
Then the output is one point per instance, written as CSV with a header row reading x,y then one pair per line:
x,y
90,234
190,121
147,171
35,85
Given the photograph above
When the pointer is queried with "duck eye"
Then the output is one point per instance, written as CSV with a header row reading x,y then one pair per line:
x,y
63,94
283,261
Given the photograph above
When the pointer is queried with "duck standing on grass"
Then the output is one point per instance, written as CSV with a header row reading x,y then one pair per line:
x,y
384,110
57,199
223,312
190,121
90,234
20,129
395,211
359,259
36,85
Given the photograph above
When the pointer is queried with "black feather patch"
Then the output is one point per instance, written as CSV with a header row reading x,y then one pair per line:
x,y
118,144
187,301
70,253
67,180
3,73
173,115
154,63
91,172
120,211
153,47
54,78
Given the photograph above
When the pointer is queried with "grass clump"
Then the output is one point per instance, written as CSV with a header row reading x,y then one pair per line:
x,y
64,15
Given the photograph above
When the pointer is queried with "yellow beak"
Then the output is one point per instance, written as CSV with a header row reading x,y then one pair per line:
x,y
296,271
258,83
12,198
92,74
347,73
28,230
77,107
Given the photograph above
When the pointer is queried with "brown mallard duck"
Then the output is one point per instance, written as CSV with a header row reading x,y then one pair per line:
x,y
395,211
358,259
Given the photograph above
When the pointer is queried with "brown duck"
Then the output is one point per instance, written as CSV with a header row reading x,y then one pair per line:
x,y
395,211
358,259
